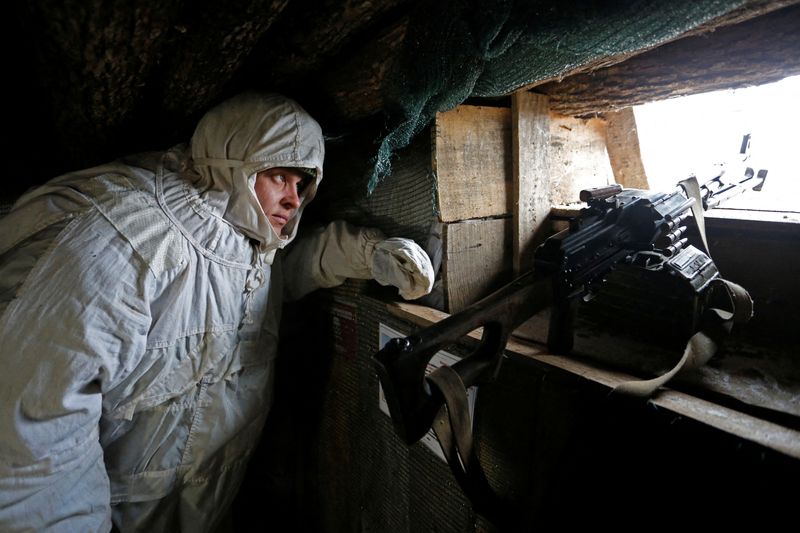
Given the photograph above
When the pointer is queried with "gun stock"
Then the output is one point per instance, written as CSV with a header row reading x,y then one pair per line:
x,y
402,362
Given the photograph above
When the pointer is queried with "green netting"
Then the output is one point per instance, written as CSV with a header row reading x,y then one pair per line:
x,y
455,49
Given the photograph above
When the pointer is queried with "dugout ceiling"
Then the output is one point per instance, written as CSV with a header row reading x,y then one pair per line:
x,y
91,80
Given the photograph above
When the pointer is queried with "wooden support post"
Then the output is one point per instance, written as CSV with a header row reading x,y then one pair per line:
x,y
623,149
530,142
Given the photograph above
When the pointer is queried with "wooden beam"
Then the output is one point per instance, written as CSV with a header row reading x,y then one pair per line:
x,y
530,148
355,83
761,50
623,149
578,157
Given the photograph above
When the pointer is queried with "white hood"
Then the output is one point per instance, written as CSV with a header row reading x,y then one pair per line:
x,y
243,136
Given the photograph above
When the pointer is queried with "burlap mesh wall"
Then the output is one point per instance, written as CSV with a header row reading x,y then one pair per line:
x,y
372,478
404,206
564,450
369,480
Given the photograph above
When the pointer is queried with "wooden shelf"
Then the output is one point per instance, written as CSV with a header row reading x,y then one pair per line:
x,y
763,432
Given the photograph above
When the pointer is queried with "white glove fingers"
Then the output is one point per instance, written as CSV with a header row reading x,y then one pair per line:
x,y
403,264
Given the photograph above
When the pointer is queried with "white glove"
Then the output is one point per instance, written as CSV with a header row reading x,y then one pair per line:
x,y
403,264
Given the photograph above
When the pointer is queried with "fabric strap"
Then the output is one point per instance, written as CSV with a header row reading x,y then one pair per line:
x,y
702,346
453,429
692,189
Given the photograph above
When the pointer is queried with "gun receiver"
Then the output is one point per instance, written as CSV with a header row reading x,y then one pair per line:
x,y
632,226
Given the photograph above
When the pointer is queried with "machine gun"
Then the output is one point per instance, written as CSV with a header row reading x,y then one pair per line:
x,y
618,226
638,227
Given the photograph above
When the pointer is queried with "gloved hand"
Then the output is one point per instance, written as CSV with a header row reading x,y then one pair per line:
x,y
403,264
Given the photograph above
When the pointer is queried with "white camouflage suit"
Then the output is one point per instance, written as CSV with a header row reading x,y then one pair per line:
x,y
139,310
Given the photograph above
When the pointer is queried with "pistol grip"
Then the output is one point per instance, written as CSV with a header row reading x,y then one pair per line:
x,y
560,332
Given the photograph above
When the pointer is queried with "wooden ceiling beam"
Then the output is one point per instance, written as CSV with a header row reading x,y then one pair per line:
x,y
760,50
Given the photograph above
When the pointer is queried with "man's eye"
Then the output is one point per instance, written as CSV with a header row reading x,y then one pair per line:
x,y
279,178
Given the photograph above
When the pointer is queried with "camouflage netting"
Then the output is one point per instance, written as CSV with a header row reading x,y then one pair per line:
x,y
455,49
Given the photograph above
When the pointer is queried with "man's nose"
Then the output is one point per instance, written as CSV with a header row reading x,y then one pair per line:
x,y
291,198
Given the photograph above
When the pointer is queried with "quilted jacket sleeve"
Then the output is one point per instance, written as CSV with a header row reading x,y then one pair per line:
x,y
72,320
328,256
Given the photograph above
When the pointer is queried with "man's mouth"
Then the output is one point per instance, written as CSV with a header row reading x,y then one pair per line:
x,y
280,220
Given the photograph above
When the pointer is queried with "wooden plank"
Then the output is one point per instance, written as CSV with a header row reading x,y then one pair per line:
x,y
530,148
622,144
578,157
472,162
762,50
476,260
763,432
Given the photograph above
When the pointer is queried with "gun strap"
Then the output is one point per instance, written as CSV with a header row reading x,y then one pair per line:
x,y
453,429
717,323
692,189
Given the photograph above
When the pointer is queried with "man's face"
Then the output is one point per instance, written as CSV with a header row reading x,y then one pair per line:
x,y
279,192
